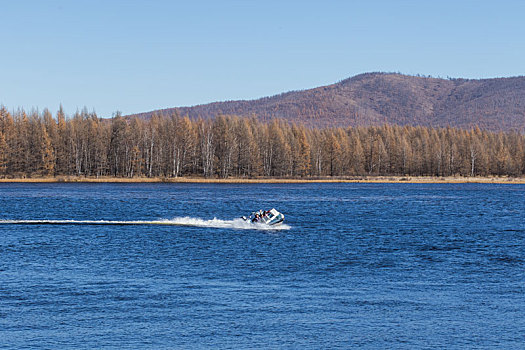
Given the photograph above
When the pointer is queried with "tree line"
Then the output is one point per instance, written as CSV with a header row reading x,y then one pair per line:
x,y
40,144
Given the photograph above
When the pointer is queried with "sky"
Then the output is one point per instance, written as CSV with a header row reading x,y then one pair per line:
x,y
138,56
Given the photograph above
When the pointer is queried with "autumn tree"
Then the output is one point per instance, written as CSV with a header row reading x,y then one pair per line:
x,y
3,155
300,152
207,147
36,144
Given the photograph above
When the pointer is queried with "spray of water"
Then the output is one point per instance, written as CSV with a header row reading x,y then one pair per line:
x,y
178,221
218,223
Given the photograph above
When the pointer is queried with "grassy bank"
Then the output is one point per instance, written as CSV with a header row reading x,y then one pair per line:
x,y
364,179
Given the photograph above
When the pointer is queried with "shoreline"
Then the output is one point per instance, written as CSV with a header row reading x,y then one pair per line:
x,y
356,179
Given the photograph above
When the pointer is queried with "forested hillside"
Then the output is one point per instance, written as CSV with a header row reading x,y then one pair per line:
x,y
379,98
228,146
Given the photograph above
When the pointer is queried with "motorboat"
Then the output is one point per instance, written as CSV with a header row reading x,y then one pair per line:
x,y
267,217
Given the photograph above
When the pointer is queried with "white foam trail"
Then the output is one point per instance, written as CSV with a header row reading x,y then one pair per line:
x,y
217,223
178,221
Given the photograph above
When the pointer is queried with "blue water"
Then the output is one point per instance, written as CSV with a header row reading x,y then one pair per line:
x,y
359,265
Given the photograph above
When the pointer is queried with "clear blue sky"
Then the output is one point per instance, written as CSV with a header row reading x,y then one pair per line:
x,y
136,56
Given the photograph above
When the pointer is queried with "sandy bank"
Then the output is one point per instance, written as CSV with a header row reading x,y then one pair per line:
x,y
365,179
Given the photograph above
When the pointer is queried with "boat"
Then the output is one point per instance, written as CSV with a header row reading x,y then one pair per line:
x,y
266,217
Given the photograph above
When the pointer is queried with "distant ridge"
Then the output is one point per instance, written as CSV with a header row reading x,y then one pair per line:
x,y
377,98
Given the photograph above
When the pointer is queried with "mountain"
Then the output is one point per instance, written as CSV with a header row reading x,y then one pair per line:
x,y
377,98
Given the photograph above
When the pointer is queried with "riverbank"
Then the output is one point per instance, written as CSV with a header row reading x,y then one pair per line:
x,y
356,179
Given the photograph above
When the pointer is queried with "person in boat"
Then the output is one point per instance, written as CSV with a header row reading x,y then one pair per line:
x,y
256,218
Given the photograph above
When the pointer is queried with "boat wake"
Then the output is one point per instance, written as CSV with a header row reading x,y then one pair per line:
x,y
218,223
178,221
